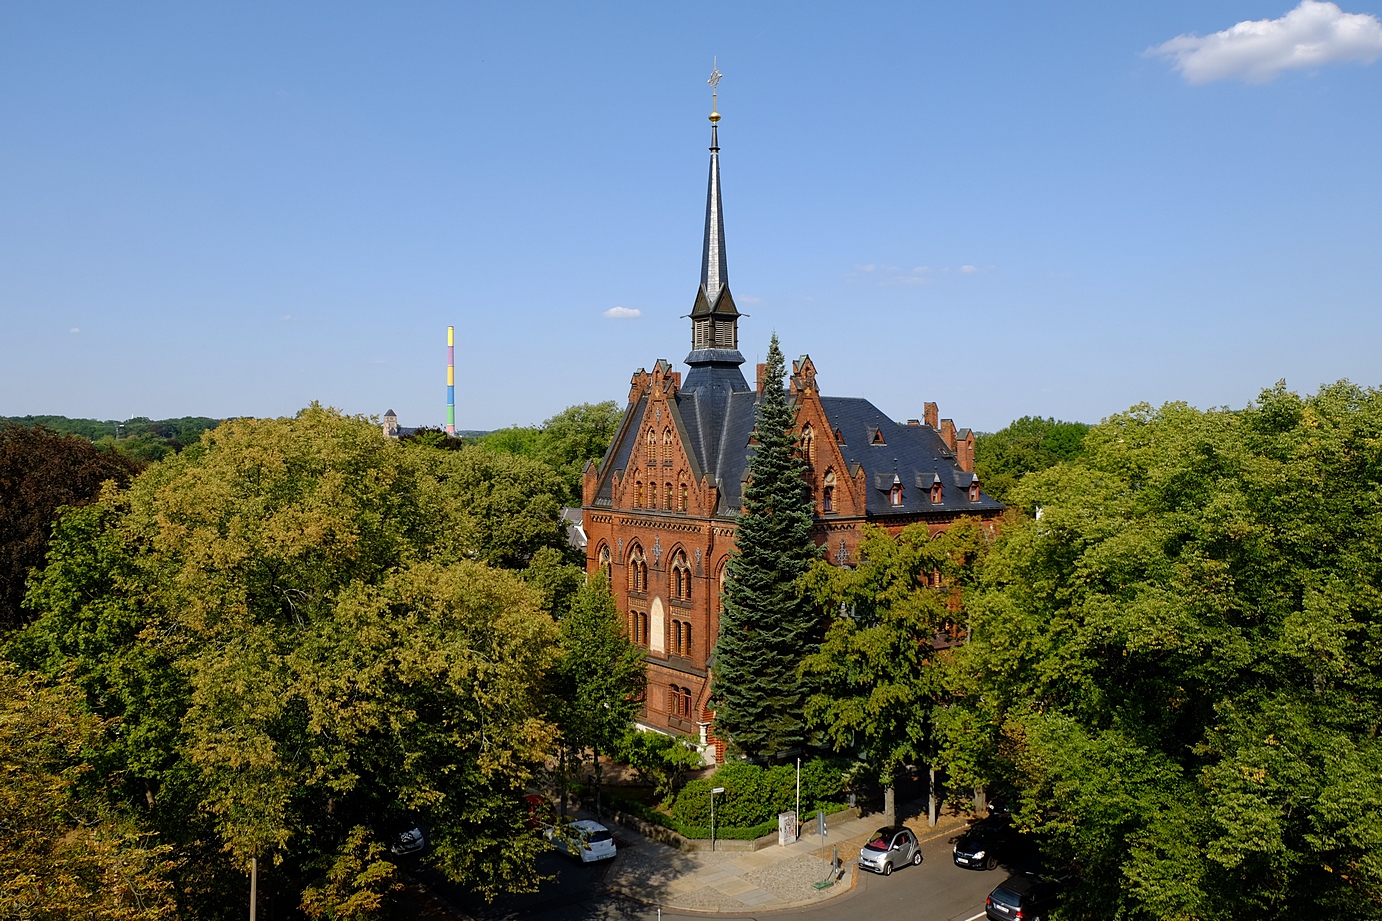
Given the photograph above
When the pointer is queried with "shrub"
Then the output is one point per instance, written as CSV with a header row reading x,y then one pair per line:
x,y
755,795
725,832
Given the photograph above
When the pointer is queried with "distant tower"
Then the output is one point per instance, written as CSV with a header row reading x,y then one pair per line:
x,y
451,380
390,425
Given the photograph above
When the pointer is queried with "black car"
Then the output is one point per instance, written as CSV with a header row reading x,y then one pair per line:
x,y
1022,897
985,843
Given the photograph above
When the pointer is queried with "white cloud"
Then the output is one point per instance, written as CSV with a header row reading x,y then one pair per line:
x,y
74,330
750,299
622,313
1312,34
969,269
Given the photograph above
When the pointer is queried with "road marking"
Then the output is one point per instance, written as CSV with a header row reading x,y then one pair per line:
x,y
976,917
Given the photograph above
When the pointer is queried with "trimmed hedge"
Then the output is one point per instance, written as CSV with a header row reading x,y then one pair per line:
x,y
755,795
724,832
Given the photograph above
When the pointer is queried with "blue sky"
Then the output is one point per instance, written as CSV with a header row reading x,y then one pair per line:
x,y
1007,208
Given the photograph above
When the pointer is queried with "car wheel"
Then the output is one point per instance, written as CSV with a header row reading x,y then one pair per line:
x,y
887,868
992,864
916,859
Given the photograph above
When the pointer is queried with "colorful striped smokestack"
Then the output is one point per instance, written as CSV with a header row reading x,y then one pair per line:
x,y
451,380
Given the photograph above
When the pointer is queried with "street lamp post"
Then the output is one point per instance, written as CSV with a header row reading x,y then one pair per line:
x,y
713,791
798,796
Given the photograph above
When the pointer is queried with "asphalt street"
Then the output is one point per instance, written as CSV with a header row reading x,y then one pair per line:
x,y
935,891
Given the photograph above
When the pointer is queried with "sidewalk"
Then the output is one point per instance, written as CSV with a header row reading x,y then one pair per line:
x,y
775,877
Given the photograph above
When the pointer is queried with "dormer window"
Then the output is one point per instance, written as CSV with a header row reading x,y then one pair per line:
x,y
895,494
936,493
974,491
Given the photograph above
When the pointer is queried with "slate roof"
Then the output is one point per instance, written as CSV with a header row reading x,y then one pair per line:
x,y
915,454
717,411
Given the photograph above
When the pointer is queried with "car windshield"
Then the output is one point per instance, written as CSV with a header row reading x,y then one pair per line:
x,y
602,835
878,843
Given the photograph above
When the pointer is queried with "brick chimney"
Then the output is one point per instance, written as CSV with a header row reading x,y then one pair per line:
x,y
931,413
762,370
948,433
964,451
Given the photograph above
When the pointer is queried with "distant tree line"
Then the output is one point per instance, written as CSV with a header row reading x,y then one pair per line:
x,y
140,437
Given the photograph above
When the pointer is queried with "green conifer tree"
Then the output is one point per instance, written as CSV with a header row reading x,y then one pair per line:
x,y
767,625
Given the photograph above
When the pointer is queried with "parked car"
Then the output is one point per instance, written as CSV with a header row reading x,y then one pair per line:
x,y
1022,897
889,848
985,843
407,842
585,839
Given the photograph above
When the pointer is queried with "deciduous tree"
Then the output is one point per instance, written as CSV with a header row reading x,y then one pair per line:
x,y
65,853
600,677
877,674
40,472
1177,666
297,627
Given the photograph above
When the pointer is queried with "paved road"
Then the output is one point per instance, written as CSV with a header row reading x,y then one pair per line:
x,y
935,891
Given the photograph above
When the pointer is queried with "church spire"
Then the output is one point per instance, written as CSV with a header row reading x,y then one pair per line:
x,y
714,319
714,271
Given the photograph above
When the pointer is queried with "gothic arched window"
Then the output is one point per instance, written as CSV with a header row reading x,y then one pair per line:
x,y
638,494
720,582
667,497
808,443
652,446
604,558
681,577
681,498
638,570
828,492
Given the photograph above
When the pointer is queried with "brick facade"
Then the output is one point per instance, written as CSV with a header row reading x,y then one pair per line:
x,y
659,512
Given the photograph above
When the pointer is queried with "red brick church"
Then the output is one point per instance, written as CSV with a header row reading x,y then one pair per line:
x,y
659,513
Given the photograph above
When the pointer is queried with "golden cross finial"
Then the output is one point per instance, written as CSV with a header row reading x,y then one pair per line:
x,y
714,82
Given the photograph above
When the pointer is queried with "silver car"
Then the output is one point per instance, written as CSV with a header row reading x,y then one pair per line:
x,y
889,848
